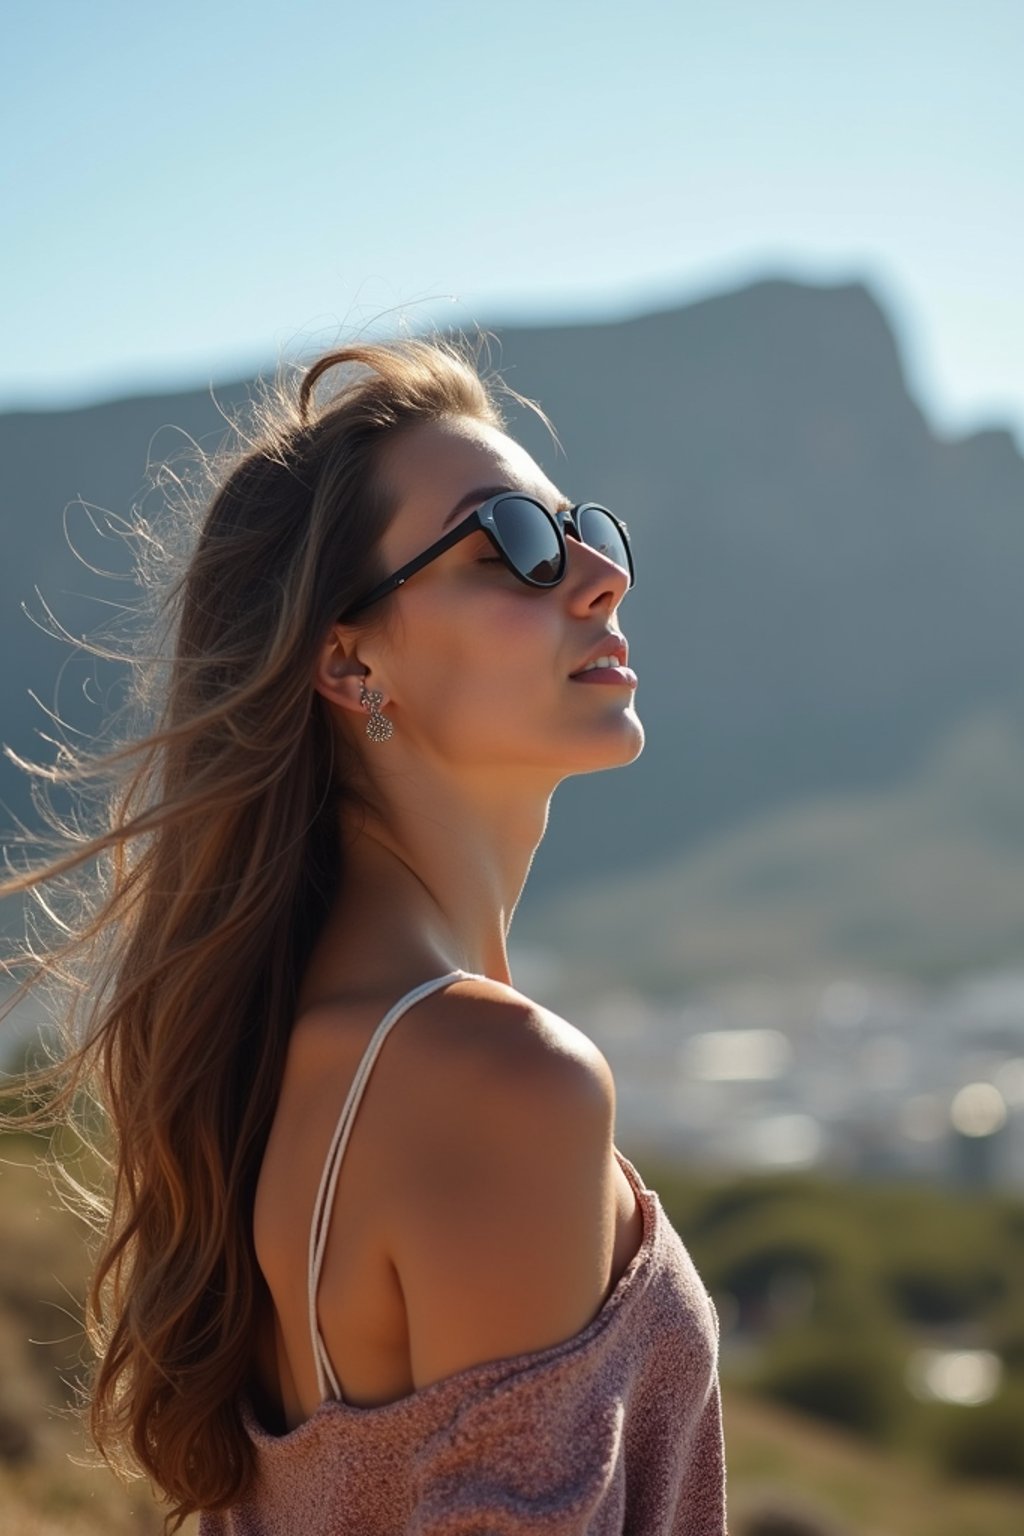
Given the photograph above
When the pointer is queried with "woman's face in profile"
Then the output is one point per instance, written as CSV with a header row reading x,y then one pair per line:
x,y
477,666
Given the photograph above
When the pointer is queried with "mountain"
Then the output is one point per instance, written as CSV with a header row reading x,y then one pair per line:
x,y
920,878
827,591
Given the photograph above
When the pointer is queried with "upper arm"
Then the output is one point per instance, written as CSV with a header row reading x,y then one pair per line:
x,y
506,1231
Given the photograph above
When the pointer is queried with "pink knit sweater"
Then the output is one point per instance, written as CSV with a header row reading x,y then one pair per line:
x,y
614,1432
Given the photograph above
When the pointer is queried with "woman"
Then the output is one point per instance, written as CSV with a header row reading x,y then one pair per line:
x,y
462,1311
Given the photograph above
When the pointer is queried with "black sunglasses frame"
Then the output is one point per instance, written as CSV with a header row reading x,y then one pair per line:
x,y
483,518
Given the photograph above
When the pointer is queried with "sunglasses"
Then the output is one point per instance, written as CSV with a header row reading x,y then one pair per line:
x,y
528,537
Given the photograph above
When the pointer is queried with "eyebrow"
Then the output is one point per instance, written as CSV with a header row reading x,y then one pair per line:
x,y
484,493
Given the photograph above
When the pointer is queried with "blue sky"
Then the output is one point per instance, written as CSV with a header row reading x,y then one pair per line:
x,y
194,192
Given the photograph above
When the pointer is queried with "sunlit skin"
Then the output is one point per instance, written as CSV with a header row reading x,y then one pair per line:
x,y
487,723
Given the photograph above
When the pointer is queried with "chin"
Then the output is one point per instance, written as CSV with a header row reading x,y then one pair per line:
x,y
615,747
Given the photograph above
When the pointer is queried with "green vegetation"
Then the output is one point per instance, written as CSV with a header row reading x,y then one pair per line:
x,y
810,1275
828,1288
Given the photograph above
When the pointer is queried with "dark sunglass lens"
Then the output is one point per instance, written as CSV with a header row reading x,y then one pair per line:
x,y
599,531
529,538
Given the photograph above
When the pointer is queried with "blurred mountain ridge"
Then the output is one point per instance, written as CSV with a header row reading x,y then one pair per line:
x,y
827,603
918,878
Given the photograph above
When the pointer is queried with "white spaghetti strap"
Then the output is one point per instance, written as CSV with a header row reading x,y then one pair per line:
x,y
332,1165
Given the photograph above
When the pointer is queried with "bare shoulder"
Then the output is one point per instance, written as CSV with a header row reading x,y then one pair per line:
x,y
504,1236
473,1019
494,1032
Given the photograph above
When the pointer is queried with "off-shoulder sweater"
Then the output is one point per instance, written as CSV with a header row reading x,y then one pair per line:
x,y
616,1431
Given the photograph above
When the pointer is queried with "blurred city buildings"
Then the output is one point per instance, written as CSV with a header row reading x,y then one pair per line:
x,y
853,1077
857,1077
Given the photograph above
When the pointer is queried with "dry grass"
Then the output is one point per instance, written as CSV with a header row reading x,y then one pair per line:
x,y
855,1489
842,1485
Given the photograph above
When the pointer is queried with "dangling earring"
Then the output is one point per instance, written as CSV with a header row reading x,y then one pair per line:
x,y
378,727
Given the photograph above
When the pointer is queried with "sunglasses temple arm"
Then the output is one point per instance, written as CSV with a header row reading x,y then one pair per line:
x,y
460,531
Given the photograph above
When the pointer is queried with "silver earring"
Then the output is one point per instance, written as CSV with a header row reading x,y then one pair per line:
x,y
378,727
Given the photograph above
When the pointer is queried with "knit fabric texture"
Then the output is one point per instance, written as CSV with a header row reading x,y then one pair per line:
x,y
614,1432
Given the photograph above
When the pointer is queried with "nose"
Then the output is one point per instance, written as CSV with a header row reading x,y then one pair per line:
x,y
589,572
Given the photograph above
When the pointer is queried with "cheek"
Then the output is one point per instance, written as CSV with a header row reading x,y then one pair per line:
x,y
515,635
503,645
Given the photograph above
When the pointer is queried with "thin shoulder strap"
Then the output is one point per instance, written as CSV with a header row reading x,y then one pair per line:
x,y
329,1179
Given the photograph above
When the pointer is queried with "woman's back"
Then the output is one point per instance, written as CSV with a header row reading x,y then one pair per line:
x,y
539,1389
424,1269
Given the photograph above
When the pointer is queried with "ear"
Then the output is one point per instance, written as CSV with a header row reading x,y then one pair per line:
x,y
339,674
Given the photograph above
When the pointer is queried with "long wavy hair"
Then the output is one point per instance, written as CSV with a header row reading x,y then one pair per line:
x,y
174,930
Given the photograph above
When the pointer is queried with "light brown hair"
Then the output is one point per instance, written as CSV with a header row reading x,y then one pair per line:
x,y
181,920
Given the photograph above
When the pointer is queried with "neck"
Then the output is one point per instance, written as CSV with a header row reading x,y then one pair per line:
x,y
437,880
